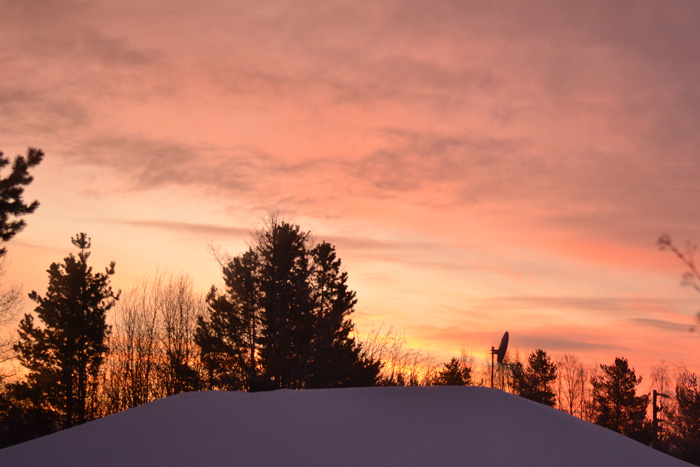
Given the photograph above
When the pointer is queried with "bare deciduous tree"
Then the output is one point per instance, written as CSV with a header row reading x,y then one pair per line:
x,y
179,307
572,379
131,376
401,366
153,352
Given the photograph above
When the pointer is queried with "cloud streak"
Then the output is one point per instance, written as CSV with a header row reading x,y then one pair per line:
x,y
188,227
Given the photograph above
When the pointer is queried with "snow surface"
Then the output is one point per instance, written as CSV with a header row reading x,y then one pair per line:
x,y
427,426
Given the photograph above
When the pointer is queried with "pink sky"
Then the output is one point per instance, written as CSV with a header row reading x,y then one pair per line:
x,y
479,167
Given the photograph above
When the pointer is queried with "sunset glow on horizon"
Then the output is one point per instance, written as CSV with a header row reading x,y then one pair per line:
x,y
480,168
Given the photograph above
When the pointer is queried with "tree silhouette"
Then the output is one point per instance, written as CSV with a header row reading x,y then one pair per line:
x,y
283,319
519,383
64,356
538,376
131,365
179,308
152,350
11,190
401,365
230,339
617,404
454,373
12,207
685,420
571,385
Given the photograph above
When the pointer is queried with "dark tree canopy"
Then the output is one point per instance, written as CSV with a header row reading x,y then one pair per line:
x,y
65,354
283,320
12,205
454,373
616,401
230,340
537,378
685,420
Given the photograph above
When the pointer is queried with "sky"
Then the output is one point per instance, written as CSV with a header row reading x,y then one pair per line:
x,y
479,167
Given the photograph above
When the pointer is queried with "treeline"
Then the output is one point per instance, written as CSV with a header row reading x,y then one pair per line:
x,y
282,320
603,394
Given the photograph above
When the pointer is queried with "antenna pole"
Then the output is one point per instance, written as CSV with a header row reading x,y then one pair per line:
x,y
655,420
655,423
493,351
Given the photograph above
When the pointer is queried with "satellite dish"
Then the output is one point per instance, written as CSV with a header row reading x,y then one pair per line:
x,y
501,352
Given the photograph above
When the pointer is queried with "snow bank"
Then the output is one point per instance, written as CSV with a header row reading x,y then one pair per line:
x,y
333,427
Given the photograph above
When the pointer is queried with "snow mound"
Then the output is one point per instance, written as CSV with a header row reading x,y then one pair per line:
x,y
333,427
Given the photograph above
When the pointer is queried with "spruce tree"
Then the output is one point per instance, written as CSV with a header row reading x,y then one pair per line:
x,y
454,373
616,401
283,320
285,296
538,375
685,420
230,339
336,356
65,354
11,190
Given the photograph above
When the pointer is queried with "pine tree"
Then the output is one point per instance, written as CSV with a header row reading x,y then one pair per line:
x,y
64,356
336,359
230,339
538,375
11,190
285,291
616,401
454,373
685,420
283,319
518,380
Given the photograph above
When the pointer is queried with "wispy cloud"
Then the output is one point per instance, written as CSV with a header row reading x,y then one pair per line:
x,y
465,67
663,324
188,227
521,156
571,343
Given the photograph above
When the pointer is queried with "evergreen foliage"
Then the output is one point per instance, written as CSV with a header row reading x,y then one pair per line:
x,y
685,421
617,404
537,378
454,373
517,372
283,319
65,354
11,190
230,339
